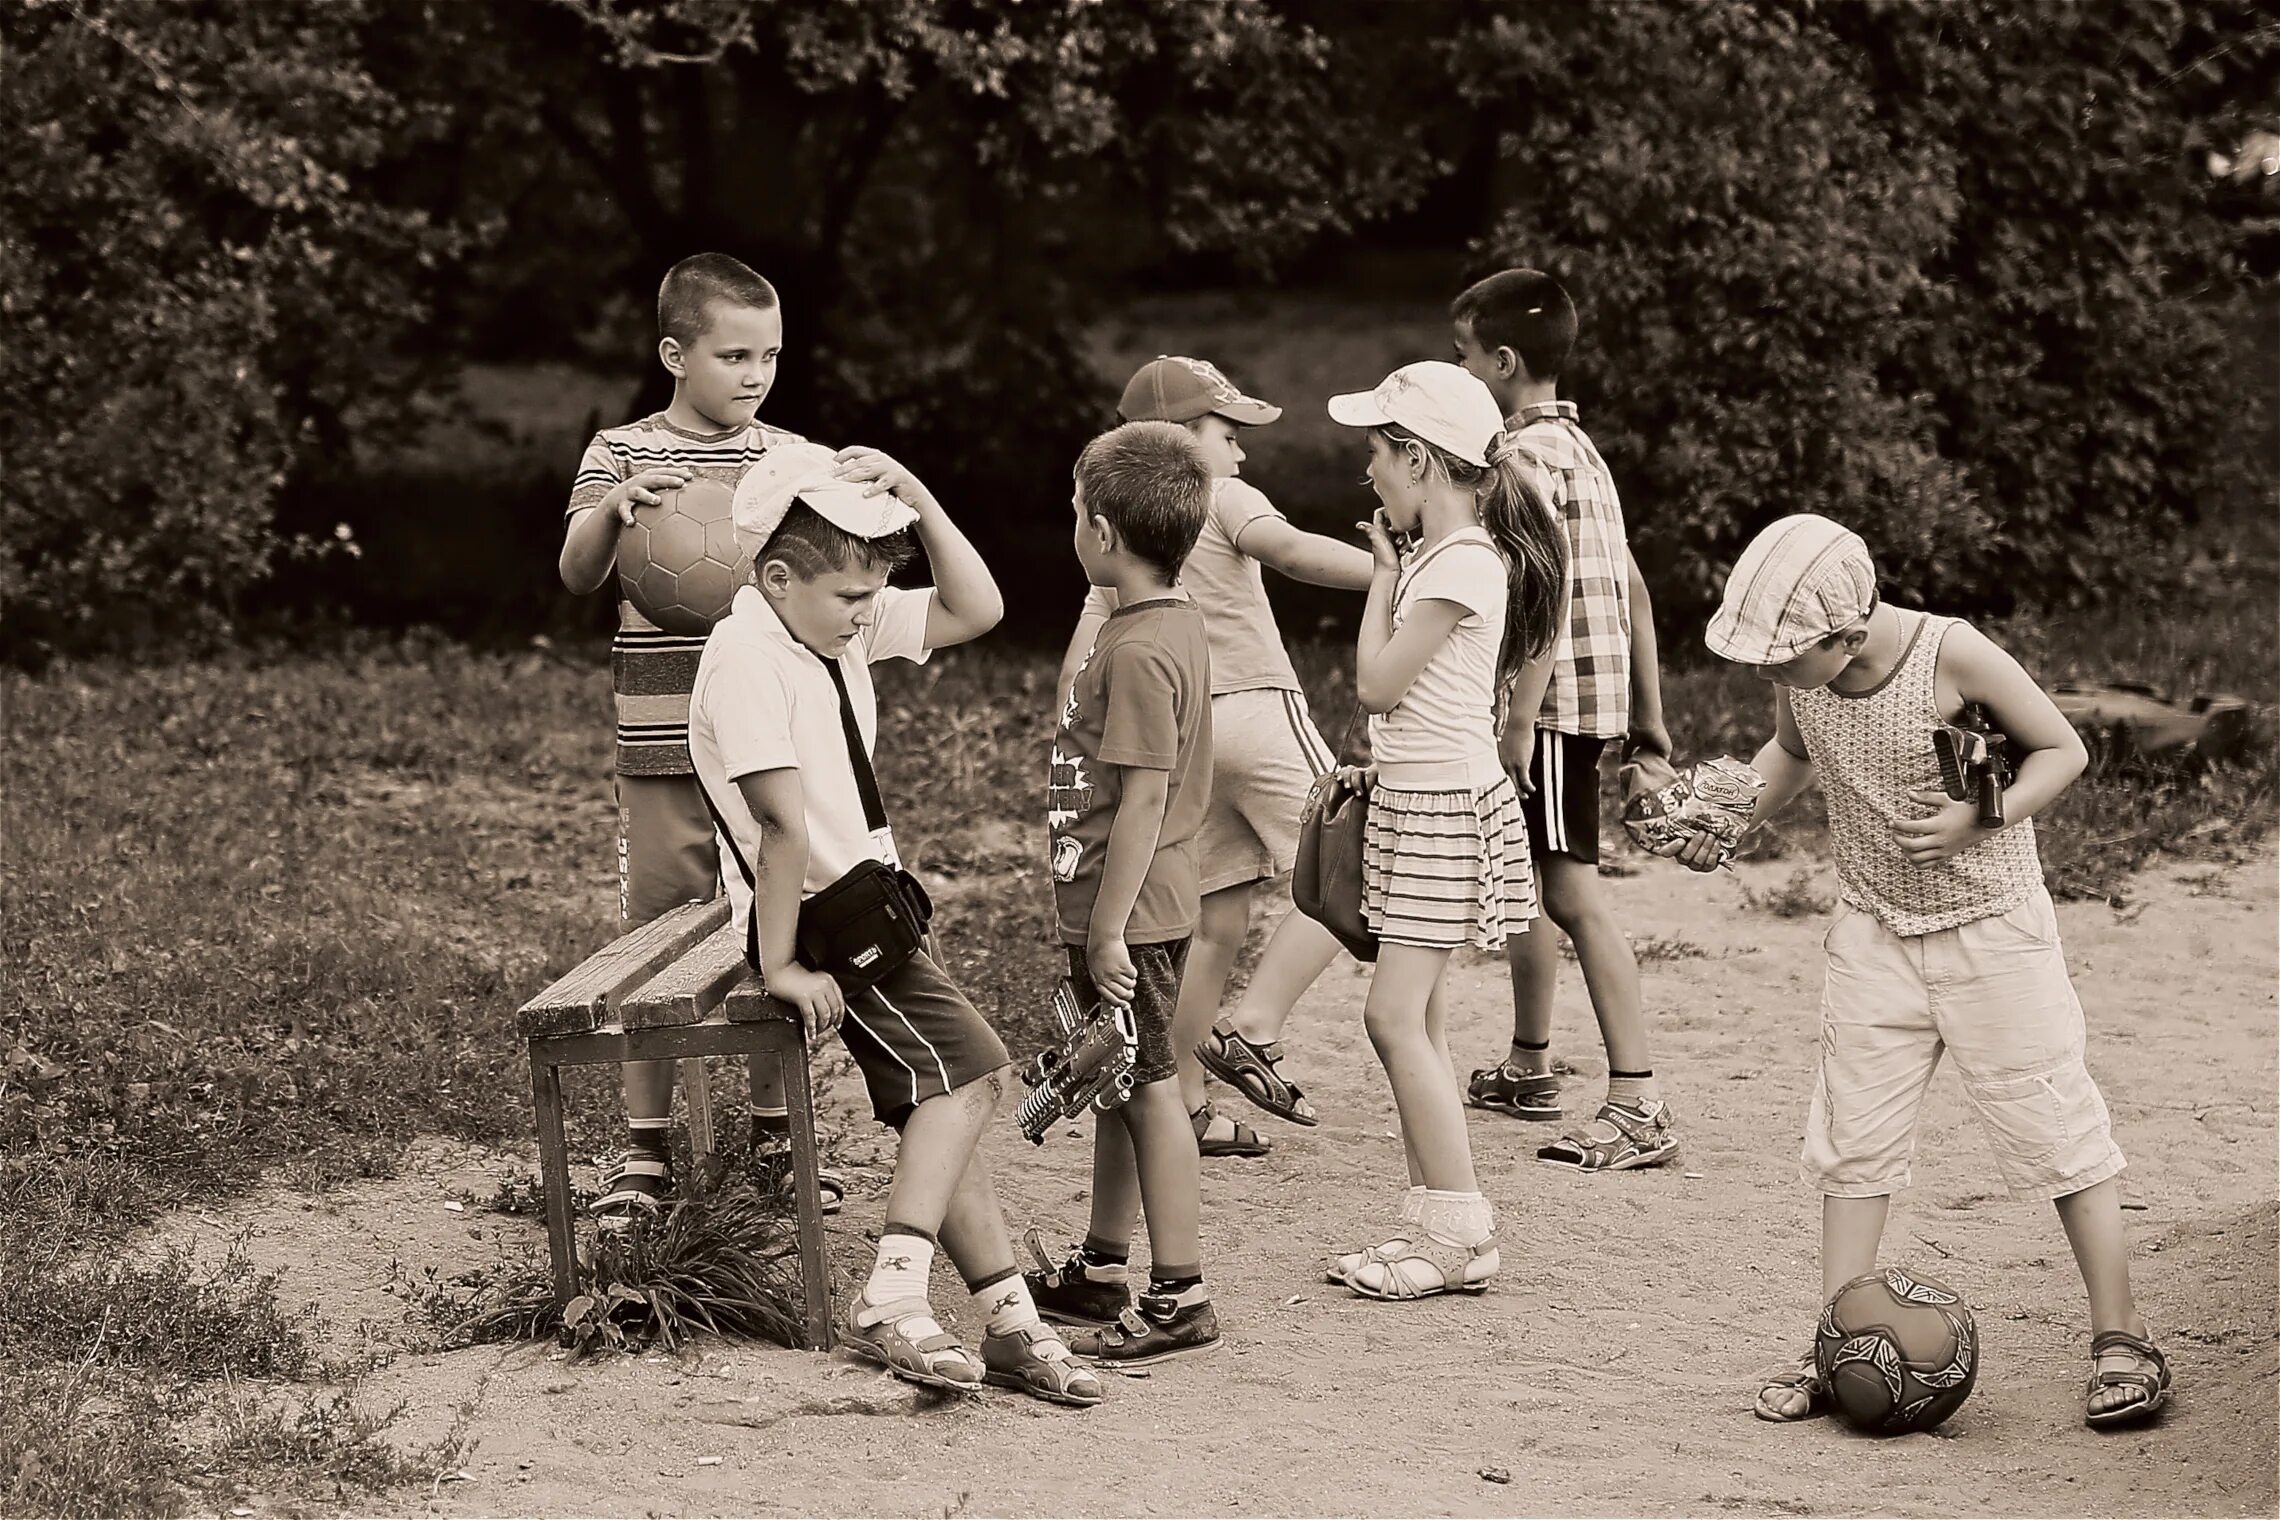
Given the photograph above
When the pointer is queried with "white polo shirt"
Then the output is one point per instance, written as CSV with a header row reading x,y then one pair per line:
x,y
763,701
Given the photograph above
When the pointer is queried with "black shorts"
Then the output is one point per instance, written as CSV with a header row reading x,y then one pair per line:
x,y
1560,799
915,1037
1160,968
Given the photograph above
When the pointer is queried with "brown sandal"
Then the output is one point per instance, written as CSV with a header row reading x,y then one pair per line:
x,y
1246,1141
2155,1383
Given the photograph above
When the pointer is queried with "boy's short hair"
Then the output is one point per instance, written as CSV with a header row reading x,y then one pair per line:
x,y
811,545
1151,481
694,286
1525,310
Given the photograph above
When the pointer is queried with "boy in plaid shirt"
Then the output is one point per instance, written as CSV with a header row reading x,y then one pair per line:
x,y
1514,331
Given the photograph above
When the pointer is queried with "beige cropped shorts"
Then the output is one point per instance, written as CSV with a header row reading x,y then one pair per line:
x,y
1996,995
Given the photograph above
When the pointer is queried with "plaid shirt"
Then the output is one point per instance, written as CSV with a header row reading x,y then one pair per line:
x,y
1590,692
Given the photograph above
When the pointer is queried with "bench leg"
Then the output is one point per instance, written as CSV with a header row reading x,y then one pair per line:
x,y
554,1175
807,1192
697,1091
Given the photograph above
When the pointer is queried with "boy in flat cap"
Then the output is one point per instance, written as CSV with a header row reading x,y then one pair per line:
x,y
1945,940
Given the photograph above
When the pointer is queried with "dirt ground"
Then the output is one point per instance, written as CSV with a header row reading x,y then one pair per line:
x,y
1610,1370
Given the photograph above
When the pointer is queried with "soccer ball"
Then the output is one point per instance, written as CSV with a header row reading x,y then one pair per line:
x,y
1898,1351
678,561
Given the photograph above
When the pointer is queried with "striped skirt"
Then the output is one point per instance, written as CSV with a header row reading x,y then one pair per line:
x,y
1442,869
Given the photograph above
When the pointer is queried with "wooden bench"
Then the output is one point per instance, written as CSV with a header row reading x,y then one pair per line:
x,y
676,989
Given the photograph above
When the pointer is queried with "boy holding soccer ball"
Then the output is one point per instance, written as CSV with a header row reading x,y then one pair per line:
x,y
720,331
1945,938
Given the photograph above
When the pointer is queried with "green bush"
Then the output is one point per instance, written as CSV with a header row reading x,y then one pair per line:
x,y
195,296
1942,272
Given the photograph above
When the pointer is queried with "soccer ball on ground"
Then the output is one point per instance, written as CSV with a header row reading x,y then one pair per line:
x,y
678,562
1898,1351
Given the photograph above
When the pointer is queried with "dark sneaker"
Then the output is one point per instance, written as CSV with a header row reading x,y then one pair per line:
x,y
1157,1328
1066,1293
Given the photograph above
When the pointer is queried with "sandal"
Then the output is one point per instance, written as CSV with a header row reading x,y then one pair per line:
x,y
910,1344
1453,1268
634,1189
1619,1138
1245,1141
1803,1378
2151,1374
1255,1071
772,1169
1527,1095
1040,1364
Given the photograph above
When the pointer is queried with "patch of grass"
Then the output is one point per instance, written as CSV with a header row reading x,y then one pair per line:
x,y
173,1316
1799,897
723,1264
75,1444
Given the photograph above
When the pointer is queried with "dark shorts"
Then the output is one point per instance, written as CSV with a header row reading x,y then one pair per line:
x,y
915,1037
1159,968
1561,802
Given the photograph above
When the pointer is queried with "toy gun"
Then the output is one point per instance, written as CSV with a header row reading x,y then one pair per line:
x,y
1090,1068
1973,765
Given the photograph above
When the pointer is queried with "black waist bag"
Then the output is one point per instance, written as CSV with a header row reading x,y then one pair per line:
x,y
865,924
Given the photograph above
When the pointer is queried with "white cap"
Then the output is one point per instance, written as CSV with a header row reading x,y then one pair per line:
x,y
802,471
1442,403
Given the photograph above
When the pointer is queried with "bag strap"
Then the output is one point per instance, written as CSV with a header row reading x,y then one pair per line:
x,y
1338,755
866,781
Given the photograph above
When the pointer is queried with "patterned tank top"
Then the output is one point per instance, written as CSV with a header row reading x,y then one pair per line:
x,y
1870,749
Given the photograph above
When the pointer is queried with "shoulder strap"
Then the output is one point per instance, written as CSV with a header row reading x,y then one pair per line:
x,y
866,782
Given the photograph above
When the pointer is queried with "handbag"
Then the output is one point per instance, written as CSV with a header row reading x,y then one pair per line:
x,y
1326,880
873,918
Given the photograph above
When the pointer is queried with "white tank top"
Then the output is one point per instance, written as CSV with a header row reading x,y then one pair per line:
x,y
1870,749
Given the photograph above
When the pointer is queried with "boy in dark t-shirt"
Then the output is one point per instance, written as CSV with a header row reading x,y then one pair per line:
x,y
1131,778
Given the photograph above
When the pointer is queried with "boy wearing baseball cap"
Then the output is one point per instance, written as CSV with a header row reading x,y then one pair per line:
x,y
1945,938
1514,331
782,720
1267,752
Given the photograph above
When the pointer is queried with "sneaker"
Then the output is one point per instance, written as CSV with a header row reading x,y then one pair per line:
x,y
1067,1295
1622,1137
1158,1327
1036,1361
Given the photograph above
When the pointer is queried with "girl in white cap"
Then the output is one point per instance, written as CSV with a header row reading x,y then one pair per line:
x,y
1455,635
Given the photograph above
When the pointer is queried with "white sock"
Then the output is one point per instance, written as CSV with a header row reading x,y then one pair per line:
x,y
1459,1219
898,1274
1006,1305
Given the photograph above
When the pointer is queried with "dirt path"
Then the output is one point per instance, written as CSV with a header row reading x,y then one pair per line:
x,y
1609,1371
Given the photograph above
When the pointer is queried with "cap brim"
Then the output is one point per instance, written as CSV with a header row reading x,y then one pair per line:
x,y
1247,410
1357,409
1723,639
843,504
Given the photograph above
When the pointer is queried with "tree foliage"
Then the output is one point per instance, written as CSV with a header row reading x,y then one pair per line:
x,y
195,294
1942,270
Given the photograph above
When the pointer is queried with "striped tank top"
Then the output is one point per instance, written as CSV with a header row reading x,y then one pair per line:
x,y
652,670
1870,749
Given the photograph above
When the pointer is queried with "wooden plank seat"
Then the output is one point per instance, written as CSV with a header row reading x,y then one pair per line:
x,y
675,989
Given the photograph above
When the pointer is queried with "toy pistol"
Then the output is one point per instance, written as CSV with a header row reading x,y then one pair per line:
x,y
1974,767
1090,1068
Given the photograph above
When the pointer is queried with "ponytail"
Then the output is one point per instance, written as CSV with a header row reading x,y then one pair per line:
x,y
1527,534
1534,545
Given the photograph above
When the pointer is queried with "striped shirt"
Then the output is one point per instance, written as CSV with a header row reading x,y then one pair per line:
x,y
1590,691
651,670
